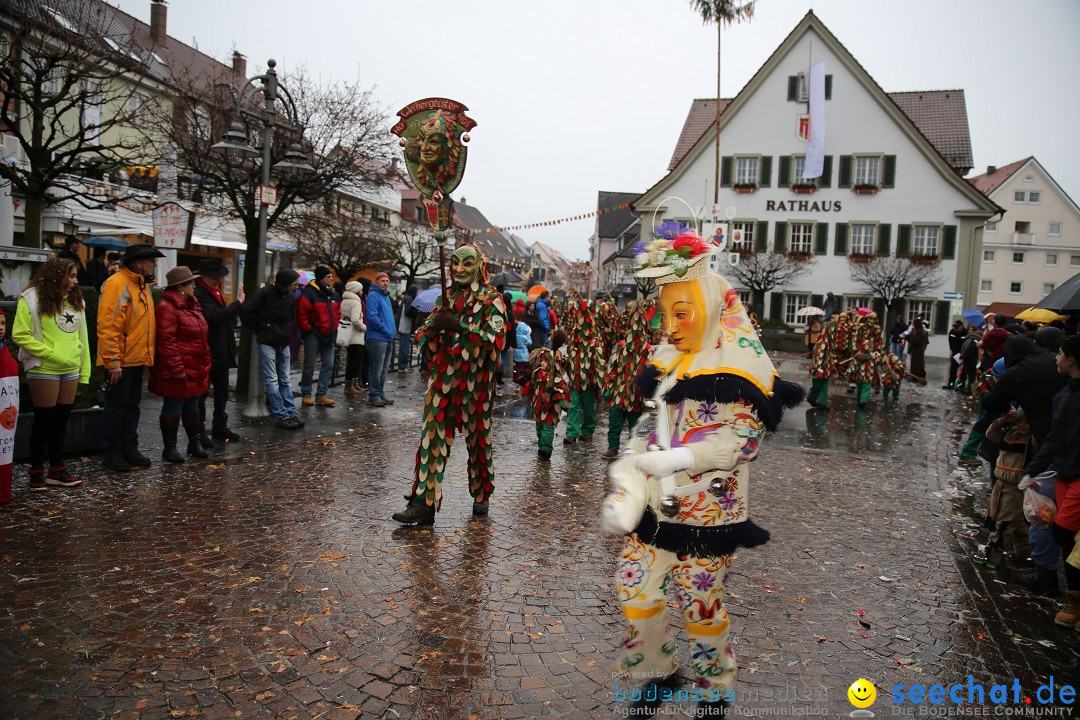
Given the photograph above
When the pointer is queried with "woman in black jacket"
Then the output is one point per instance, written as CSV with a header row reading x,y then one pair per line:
x,y
221,337
269,313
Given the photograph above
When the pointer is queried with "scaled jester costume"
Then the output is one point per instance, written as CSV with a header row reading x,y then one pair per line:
x,y
628,359
463,339
822,367
867,344
548,394
892,373
585,366
716,392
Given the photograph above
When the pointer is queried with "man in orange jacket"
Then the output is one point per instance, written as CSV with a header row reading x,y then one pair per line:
x,y
125,327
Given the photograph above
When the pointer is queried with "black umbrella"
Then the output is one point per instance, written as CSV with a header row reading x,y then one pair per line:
x,y
506,277
1066,299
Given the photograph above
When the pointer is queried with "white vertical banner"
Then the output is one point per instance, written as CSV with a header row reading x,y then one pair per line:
x,y
815,142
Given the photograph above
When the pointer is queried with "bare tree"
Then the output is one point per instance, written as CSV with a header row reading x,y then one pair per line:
x,y
415,252
71,100
341,128
344,243
761,272
894,278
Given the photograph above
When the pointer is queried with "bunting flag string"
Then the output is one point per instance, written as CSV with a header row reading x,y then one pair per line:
x,y
559,221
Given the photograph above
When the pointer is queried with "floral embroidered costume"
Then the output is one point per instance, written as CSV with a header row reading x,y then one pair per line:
x,y
548,393
585,366
462,339
822,367
716,392
628,359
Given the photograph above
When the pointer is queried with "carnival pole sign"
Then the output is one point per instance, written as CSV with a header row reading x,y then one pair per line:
x,y
434,132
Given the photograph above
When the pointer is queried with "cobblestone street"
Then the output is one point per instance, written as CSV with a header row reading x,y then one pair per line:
x,y
271,582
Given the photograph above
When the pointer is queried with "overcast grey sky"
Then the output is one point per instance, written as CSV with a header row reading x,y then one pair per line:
x,y
576,96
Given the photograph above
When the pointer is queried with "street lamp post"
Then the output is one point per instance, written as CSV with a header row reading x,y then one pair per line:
x,y
235,145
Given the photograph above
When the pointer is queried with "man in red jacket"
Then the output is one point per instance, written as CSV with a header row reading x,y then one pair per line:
x,y
318,311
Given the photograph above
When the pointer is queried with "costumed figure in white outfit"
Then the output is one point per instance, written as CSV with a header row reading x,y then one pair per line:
x,y
681,493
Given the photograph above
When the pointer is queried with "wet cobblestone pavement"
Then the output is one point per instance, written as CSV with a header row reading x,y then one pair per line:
x,y
271,582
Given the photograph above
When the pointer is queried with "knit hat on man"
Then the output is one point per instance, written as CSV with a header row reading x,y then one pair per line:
x,y
286,277
320,272
380,276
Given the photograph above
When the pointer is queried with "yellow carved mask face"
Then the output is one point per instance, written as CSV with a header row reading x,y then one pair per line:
x,y
684,316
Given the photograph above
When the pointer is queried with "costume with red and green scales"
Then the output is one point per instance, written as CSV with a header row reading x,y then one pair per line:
x,y
585,366
867,344
823,365
628,359
461,385
547,392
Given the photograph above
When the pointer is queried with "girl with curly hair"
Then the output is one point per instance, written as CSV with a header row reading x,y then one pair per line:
x,y
50,330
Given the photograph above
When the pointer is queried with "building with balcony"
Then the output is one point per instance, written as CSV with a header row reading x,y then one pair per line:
x,y
892,182
1035,245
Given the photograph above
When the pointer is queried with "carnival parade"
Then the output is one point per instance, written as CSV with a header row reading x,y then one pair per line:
x,y
249,305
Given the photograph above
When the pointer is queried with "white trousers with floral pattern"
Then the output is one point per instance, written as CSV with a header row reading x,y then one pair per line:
x,y
646,575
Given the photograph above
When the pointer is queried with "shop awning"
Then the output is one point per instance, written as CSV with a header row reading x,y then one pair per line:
x,y
230,244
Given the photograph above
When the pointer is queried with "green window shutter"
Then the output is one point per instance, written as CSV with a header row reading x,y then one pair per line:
x,y
776,307
826,173
765,172
821,239
884,239
761,236
878,305
780,243
903,240
784,178
725,171
792,87
942,317
817,300
845,171
948,245
828,87
889,178
840,248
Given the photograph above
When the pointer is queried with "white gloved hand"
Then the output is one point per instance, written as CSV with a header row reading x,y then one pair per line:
x,y
661,463
721,450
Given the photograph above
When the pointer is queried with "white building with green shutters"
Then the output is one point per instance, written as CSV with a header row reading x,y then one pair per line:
x,y
892,184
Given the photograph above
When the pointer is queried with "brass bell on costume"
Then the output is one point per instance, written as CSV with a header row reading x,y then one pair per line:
x,y
669,505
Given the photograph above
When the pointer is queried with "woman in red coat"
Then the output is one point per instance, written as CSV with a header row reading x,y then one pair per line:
x,y
181,372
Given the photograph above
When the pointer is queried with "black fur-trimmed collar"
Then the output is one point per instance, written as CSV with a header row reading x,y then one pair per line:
x,y
724,387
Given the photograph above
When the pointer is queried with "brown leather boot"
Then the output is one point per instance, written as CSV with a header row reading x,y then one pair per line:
x,y
352,388
1069,616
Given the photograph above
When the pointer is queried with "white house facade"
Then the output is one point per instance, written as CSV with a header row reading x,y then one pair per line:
x,y
1036,245
892,182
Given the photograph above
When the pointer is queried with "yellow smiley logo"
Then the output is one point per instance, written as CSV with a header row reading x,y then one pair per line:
x,y
862,693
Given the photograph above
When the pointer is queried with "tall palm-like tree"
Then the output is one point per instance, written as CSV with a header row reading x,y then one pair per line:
x,y
721,12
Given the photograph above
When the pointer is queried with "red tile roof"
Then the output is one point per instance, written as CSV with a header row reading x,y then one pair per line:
x,y
987,183
702,116
940,115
